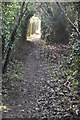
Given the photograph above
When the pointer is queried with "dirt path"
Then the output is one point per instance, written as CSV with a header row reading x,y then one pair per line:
x,y
33,97
27,99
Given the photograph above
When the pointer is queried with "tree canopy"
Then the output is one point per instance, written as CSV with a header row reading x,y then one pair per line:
x,y
60,31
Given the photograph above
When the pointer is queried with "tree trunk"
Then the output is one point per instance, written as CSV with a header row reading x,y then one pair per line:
x,y
24,27
64,12
6,57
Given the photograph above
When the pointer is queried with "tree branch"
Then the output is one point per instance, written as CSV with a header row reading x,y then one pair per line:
x,y
7,54
64,12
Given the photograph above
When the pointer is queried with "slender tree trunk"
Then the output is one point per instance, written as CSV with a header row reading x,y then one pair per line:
x,y
6,57
64,12
24,27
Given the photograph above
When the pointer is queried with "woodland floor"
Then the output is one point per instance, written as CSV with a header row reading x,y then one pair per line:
x,y
28,93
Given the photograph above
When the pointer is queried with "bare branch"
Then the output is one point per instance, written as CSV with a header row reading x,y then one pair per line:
x,y
64,12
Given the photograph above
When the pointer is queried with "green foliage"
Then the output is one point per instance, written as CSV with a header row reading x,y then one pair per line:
x,y
71,66
54,23
10,12
33,25
67,77
24,27
10,18
13,76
